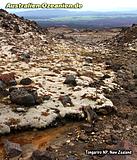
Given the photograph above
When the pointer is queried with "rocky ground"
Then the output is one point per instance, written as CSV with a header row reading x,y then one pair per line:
x,y
50,77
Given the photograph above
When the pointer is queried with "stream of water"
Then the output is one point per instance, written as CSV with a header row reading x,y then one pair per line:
x,y
39,139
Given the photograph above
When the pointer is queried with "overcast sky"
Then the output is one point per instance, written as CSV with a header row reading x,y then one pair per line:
x,y
92,5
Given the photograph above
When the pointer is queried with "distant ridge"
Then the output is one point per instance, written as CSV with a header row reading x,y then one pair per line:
x,y
81,19
60,13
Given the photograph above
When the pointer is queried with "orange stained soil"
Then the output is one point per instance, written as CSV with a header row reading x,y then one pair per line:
x,y
39,139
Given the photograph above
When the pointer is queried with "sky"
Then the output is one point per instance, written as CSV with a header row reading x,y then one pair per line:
x,y
90,5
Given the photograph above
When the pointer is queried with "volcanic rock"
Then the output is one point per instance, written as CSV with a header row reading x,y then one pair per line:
x,y
24,57
22,96
105,110
12,83
89,114
4,93
12,149
26,81
112,139
71,80
66,100
42,155
2,85
88,128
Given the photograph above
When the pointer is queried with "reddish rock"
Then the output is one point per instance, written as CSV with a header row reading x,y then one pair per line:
x,y
7,77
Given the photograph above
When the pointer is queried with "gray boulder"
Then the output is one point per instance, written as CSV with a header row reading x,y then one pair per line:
x,y
12,149
22,96
71,80
42,155
26,81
